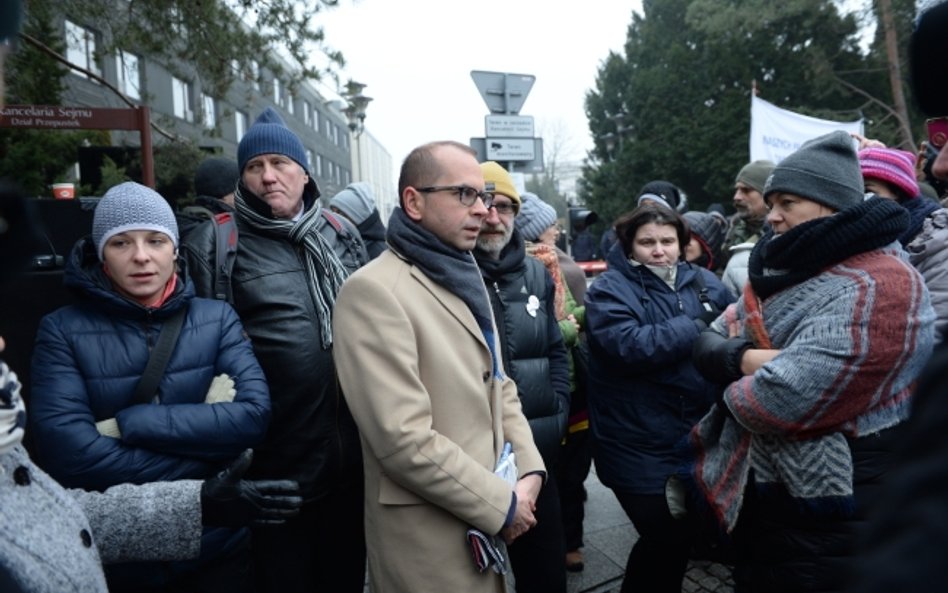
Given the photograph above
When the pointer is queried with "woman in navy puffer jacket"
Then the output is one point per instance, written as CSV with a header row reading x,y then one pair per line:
x,y
642,317
212,401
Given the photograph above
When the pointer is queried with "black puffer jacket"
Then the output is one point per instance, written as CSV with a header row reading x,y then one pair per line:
x,y
789,549
521,294
312,437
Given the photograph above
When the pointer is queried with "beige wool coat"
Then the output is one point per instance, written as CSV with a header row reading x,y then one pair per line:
x,y
416,372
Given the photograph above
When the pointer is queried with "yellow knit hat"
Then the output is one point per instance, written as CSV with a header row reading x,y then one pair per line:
x,y
500,178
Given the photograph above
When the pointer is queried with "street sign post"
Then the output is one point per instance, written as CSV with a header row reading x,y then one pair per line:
x,y
503,92
510,149
508,126
534,165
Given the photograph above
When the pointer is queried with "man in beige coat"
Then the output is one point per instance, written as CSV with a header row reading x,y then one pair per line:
x,y
420,366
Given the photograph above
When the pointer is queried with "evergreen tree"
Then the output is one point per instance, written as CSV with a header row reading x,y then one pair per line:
x,y
677,103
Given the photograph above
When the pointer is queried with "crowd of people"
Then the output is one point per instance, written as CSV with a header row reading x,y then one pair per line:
x,y
418,404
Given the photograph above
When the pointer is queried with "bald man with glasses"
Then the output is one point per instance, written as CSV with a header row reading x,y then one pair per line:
x,y
421,368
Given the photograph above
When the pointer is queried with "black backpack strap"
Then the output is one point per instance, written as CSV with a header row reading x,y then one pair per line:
x,y
703,293
159,357
225,252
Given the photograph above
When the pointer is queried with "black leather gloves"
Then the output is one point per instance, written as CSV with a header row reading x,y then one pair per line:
x,y
228,501
719,358
706,319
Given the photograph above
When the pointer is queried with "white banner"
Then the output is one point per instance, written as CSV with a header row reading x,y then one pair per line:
x,y
776,132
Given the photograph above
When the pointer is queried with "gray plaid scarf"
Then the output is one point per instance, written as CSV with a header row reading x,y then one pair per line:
x,y
325,273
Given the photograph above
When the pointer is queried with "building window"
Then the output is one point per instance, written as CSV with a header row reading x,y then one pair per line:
x,y
240,123
277,95
290,103
130,78
80,48
208,111
318,165
309,159
255,74
317,119
307,112
181,93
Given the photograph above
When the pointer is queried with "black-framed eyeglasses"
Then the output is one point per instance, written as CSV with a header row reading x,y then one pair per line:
x,y
466,194
505,209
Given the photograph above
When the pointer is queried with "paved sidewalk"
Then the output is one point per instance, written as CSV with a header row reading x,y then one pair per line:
x,y
609,536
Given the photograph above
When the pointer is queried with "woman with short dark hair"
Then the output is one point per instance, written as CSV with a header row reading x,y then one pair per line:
x,y
643,315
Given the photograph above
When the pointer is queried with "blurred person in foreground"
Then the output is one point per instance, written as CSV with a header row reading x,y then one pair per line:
x,y
819,357
904,546
419,361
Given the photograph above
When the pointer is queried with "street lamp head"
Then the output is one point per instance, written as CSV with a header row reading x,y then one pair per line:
x,y
356,106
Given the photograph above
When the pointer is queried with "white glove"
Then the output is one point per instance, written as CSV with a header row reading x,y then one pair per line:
x,y
108,428
221,390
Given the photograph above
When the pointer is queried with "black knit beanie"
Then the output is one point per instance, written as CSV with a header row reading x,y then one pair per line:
x,y
216,177
824,170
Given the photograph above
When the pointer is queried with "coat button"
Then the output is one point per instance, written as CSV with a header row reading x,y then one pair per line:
x,y
486,376
86,538
21,476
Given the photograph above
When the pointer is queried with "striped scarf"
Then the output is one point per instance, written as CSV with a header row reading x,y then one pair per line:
x,y
325,273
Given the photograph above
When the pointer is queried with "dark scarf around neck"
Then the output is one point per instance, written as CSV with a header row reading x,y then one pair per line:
x,y
918,208
511,257
446,266
807,249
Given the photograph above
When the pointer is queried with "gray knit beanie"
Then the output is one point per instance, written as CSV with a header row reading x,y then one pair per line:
x,y
131,206
755,174
216,177
824,170
269,135
535,216
355,201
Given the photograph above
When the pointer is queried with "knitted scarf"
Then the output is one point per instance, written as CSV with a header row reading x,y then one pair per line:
x,y
547,256
456,271
325,273
777,262
918,208
826,384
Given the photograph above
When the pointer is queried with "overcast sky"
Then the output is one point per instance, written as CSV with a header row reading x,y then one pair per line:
x,y
416,57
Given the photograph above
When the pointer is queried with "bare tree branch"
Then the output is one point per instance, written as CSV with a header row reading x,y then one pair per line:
x,y
59,58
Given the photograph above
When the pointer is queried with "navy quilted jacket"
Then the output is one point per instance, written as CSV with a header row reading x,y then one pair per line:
x,y
644,392
88,359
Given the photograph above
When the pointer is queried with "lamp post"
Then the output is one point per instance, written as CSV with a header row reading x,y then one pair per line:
x,y
356,104
614,139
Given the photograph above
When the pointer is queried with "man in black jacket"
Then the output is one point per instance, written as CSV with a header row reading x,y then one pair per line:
x,y
292,258
522,298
